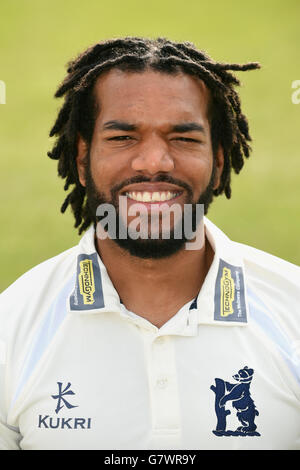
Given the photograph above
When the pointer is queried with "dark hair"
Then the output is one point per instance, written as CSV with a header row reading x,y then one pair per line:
x,y
229,126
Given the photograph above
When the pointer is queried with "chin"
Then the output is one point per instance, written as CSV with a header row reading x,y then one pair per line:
x,y
151,249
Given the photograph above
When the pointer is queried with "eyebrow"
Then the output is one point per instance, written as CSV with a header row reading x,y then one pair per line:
x,y
188,127
126,126
119,126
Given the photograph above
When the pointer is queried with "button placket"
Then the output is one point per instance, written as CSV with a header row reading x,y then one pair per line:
x,y
164,388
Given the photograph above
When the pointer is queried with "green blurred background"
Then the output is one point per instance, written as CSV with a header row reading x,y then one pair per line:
x,y
37,39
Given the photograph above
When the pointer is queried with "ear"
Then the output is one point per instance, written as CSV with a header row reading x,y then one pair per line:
x,y
219,162
81,159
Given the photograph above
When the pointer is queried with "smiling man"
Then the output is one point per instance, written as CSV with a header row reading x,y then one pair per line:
x,y
140,338
151,144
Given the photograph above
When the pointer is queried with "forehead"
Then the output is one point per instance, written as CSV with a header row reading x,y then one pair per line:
x,y
152,96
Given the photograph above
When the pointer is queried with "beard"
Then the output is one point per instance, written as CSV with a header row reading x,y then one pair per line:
x,y
148,248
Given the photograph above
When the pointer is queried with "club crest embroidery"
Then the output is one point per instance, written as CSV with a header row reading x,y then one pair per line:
x,y
241,401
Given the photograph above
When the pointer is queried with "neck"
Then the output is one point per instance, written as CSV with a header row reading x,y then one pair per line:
x,y
156,289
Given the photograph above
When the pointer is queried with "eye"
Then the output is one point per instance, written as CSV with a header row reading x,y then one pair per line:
x,y
187,139
120,137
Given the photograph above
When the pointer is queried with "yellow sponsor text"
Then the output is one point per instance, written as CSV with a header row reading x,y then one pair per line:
x,y
86,281
227,293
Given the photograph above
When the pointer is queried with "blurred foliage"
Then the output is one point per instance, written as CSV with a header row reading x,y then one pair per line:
x,y
37,39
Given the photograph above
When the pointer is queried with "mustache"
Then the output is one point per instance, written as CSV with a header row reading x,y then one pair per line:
x,y
157,179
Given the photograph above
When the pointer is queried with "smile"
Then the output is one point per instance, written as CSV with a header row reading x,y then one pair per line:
x,y
156,196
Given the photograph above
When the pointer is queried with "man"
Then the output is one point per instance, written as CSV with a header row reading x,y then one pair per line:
x,y
150,341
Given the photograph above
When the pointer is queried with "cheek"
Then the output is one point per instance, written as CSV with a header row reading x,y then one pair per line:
x,y
198,171
107,171
101,163
101,173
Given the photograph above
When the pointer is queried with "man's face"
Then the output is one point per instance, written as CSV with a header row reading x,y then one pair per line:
x,y
151,143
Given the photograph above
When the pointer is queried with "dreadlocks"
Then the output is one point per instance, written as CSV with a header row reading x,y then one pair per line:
x,y
229,126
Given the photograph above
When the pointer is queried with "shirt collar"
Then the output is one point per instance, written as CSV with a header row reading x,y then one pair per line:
x,y
221,300
93,290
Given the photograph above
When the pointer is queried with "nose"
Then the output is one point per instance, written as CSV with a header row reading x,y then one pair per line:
x,y
153,156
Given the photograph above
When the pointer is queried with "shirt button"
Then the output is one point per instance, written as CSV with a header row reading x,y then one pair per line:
x,y
160,340
162,383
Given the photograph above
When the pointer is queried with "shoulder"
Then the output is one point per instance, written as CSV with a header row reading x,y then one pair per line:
x,y
262,265
269,280
273,289
31,293
258,264
41,273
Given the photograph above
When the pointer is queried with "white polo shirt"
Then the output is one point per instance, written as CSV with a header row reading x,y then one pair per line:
x,y
78,371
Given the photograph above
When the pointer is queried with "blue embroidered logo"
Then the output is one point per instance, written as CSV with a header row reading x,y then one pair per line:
x,y
60,397
239,396
64,421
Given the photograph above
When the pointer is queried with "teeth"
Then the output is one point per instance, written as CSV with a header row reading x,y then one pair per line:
x,y
156,196
146,197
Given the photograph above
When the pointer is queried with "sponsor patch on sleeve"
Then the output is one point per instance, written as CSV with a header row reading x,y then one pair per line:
x,y
88,293
230,302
